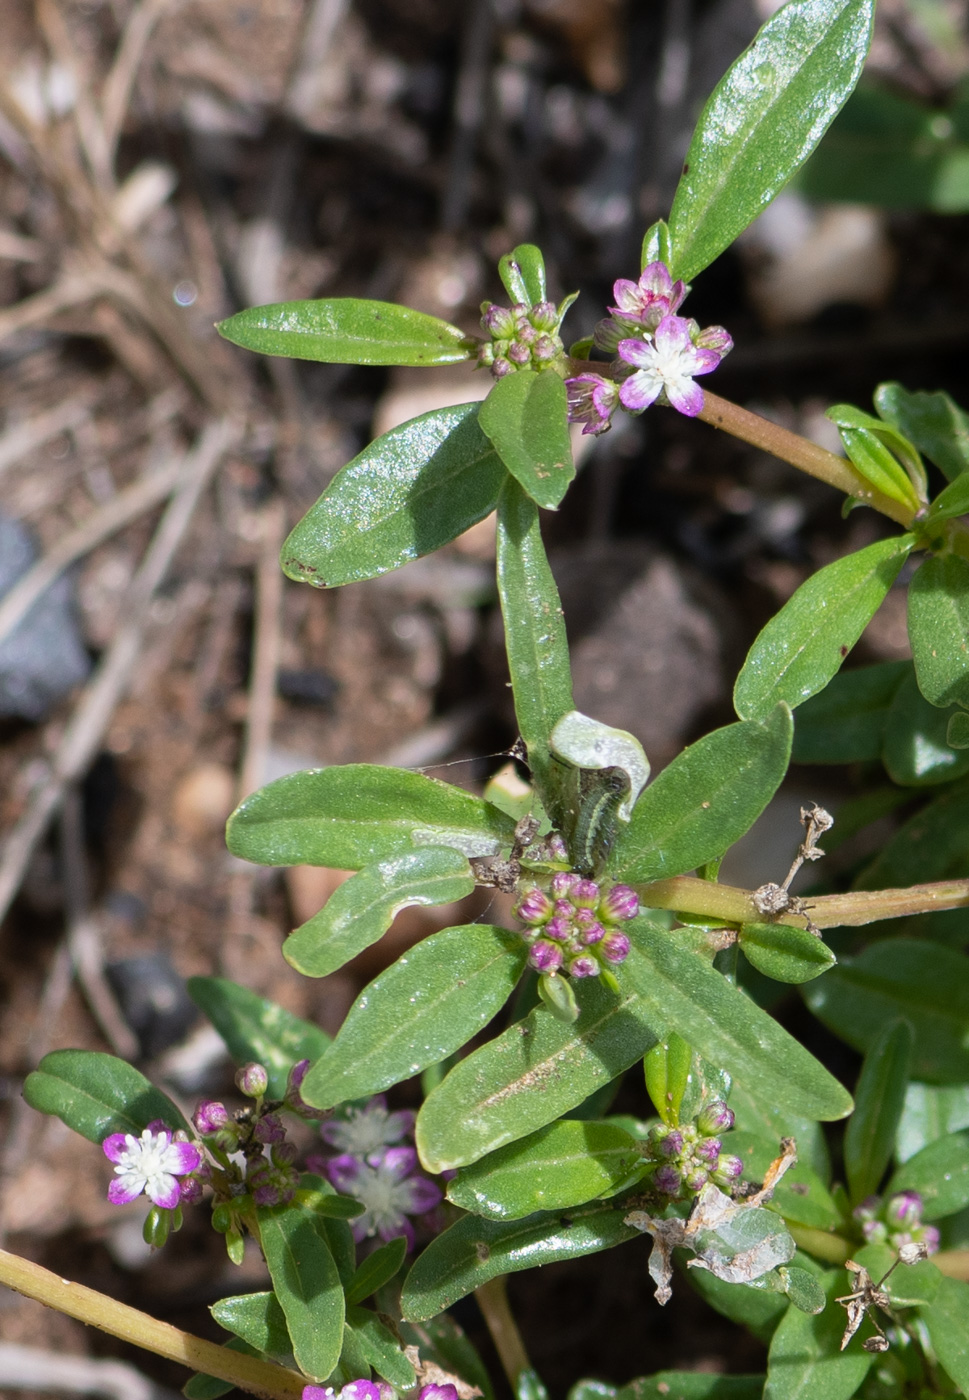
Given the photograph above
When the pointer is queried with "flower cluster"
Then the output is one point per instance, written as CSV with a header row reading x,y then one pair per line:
x,y
689,1156
522,337
656,354
575,926
372,1167
375,1390
896,1222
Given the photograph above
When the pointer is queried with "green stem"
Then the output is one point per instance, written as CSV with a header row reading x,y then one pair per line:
x,y
833,1249
249,1373
493,1301
687,895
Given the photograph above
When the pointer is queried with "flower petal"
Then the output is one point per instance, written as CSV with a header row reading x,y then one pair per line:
x,y
417,1194
180,1158
118,1145
640,390
124,1189
345,1172
686,396
164,1190
398,1162
640,353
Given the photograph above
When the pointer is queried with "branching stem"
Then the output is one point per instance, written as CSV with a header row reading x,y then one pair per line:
x,y
688,895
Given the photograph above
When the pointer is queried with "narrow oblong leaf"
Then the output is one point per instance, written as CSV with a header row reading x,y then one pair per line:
x,y
929,1113
937,426
522,272
879,468
763,120
938,629
307,1285
784,952
656,245
538,654
952,501
947,1318
915,741
845,721
668,1069
564,1164
692,1385
427,1004
931,845
361,910
704,800
940,1175
256,1029
356,814
414,489
380,1348
259,1320
922,982
97,1094
474,1251
526,418
879,1100
347,331
847,416
803,646
377,1269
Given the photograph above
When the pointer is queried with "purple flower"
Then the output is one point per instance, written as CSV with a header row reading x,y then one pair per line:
x,y
438,1392
729,1168
558,928
666,366
367,1131
667,1179
388,1188
904,1211
190,1191
544,956
650,299
618,904
586,894
210,1117
708,1151
584,966
592,932
715,1118
150,1163
615,948
592,401
353,1390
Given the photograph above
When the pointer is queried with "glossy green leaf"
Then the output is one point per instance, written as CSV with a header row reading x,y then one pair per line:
x,y
377,1269
353,1364
259,1320
97,1094
668,1067
381,1349
800,1197
522,272
327,1202
538,655
441,1340
680,989
785,953
564,1164
656,245
592,1390
938,629
704,800
803,1289
474,1251
754,1308
355,814
429,1003
767,1120
952,501
256,1029
361,910
530,1386
413,490
939,1173
930,1112
763,120
947,1318
923,982
844,722
878,467
804,644
879,1099
931,845
306,1283
558,995
347,331
915,741
906,453
805,1361
937,426
202,1387
526,418
692,1385
534,1072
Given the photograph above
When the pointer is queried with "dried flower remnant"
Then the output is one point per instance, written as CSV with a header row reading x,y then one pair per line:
x,y
151,1163
868,1295
772,900
592,401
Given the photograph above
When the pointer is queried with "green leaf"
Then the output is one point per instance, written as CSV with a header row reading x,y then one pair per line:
x,y
413,490
939,1173
704,800
530,1386
879,1099
356,814
915,747
803,1289
377,1269
923,982
929,846
754,1308
805,1361
763,120
306,1283
844,722
957,730
930,1113
538,654
933,422
442,1340
879,468
564,1164
534,1072
347,331
429,1003
938,628
526,418
668,1067
804,644
474,1251
559,996
678,988
656,245
97,1095
693,1385
765,1119
800,1197
361,910
952,501
592,1390
259,1320
913,474
256,1029
786,953
522,272
381,1349
947,1318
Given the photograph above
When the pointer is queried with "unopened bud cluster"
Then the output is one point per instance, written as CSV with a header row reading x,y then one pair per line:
x,y
576,925
896,1222
522,337
690,1156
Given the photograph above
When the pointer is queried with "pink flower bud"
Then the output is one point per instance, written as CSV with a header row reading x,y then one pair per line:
x,y
563,883
586,894
615,948
544,956
534,907
252,1080
618,904
584,966
716,1117
210,1117
667,1180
